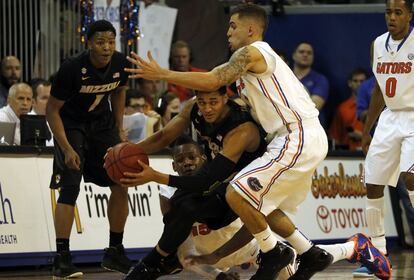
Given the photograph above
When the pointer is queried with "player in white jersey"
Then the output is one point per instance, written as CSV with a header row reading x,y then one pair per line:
x,y
390,153
280,179
187,159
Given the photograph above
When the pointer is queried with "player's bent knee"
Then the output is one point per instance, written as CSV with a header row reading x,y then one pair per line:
x,y
375,191
68,195
408,179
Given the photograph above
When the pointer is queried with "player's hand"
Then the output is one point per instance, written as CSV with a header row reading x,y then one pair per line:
x,y
72,159
202,259
149,70
228,276
131,179
365,142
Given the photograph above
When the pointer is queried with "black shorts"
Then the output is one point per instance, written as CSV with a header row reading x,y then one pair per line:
x,y
91,141
211,209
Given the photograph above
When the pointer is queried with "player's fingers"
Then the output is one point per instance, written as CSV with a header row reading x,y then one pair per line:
x,y
131,70
132,60
149,54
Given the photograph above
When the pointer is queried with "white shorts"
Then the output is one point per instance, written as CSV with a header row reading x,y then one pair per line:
x,y
392,148
282,177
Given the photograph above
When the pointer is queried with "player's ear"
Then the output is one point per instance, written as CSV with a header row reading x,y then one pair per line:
x,y
174,166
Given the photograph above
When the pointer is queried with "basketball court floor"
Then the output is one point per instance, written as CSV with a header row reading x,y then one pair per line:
x,y
402,261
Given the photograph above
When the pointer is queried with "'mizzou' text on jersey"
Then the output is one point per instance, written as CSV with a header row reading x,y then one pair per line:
x,y
99,88
394,67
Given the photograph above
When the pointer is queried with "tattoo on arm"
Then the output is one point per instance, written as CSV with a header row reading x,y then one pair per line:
x,y
229,72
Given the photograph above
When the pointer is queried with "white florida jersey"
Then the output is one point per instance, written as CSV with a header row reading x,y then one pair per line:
x,y
276,97
206,241
393,70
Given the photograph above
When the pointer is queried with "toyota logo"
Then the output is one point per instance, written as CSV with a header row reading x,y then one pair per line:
x,y
324,219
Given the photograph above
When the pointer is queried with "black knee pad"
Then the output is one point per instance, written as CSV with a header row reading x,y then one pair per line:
x,y
68,195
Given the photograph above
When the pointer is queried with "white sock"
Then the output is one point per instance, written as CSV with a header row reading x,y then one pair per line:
x,y
299,242
375,220
339,251
411,195
266,239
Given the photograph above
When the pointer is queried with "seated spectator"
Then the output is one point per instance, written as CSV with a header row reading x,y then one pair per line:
x,y
316,83
346,129
363,98
138,123
41,93
151,92
9,75
169,106
19,103
180,58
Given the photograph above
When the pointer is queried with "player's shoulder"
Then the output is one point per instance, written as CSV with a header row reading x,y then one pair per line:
x,y
75,62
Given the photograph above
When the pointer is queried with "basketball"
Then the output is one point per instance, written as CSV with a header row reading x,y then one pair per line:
x,y
122,158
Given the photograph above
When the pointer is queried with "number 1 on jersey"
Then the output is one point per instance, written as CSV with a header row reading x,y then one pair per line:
x,y
390,86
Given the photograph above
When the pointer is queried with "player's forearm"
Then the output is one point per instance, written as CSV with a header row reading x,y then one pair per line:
x,y
375,108
118,106
202,81
58,130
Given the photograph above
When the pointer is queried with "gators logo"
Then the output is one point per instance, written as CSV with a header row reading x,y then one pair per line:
x,y
254,184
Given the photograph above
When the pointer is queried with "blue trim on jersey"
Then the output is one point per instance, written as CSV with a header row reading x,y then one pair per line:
x,y
402,42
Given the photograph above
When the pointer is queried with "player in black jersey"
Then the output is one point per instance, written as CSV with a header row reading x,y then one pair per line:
x,y
232,140
85,112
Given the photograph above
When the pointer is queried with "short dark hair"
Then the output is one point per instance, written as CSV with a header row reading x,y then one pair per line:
x,y
357,71
36,82
222,90
99,26
252,11
300,43
185,139
133,93
408,4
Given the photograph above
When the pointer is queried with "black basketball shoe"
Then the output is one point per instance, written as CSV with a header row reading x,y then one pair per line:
x,y
312,261
270,263
116,260
63,267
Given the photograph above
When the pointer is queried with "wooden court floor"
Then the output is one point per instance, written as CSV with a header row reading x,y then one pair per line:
x,y
402,261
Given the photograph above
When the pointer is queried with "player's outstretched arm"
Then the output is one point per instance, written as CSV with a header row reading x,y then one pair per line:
x,y
174,128
238,241
240,62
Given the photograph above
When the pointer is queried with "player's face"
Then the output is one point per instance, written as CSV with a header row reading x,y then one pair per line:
x,y
238,32
22,101
187,159
39,104
303,56
180,59
102,47
212,105
397,17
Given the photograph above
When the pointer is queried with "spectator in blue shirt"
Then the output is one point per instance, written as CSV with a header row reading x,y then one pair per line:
x,y
316,83
364,93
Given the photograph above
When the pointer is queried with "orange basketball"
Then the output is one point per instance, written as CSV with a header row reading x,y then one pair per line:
x,y
122,158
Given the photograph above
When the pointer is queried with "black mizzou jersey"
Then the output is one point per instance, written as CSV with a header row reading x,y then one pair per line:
x,y
213,135
85,89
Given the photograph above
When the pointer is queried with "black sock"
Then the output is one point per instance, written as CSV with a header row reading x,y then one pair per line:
x,y
62,244
153,257
115,238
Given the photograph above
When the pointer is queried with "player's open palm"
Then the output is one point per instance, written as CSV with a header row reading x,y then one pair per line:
x,y
149,70
365,142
